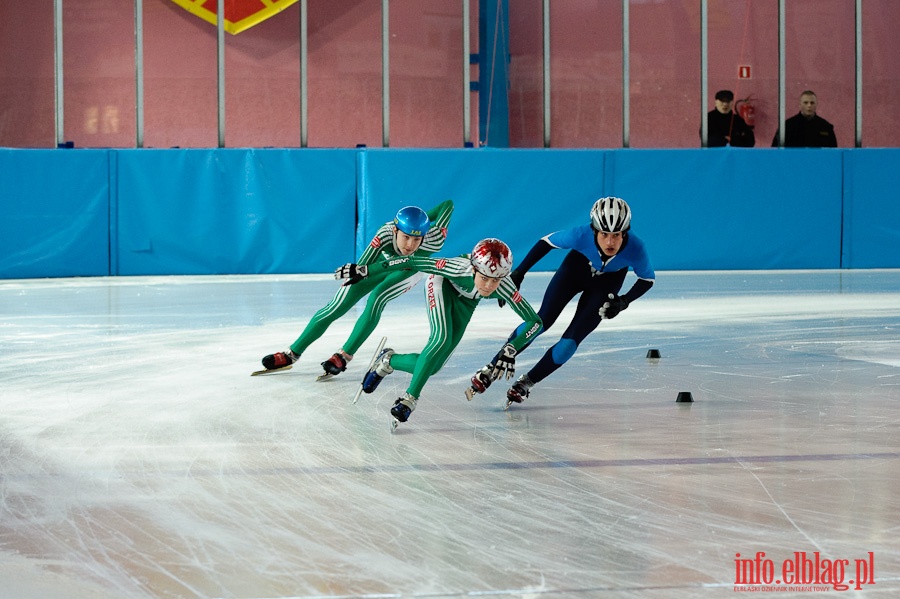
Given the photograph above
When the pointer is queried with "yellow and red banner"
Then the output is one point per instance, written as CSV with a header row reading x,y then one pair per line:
x,y
239,14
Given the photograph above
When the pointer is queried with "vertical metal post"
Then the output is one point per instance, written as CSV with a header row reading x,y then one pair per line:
x,y
385,76
704,71
546,54
58,69
139,73
467,77
626,76
859,73
220,44
304,90
781,73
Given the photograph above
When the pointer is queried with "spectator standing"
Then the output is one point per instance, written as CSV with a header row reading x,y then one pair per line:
x,y
807,129
724,127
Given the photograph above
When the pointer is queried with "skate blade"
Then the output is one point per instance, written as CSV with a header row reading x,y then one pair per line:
x,y
470,393
325,377
358,393
394,424
371,364
271,370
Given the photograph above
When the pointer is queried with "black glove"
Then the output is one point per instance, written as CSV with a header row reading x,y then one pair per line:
x,y
504,363
516,277
354,273
612,308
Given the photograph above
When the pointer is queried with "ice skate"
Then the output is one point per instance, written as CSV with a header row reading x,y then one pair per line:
x,y
480,382
375,357
277,362
380,369
402,409
333,366
519,391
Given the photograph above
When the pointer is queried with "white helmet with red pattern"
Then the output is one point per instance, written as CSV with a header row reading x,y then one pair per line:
x,y
492,258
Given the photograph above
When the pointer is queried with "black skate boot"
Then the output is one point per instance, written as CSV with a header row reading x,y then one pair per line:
x,y
519,391
403,407
480,382
380,369
280,360
335,365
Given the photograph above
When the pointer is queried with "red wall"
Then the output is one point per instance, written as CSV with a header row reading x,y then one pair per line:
x,y
263,90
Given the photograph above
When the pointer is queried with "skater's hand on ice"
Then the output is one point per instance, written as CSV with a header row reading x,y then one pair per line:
x,y
354,273
611,308
505,362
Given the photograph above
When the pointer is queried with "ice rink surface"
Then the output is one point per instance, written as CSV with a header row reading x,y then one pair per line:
x,y
139,459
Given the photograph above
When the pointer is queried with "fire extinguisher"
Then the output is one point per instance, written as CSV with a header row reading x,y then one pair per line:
x,y
746,110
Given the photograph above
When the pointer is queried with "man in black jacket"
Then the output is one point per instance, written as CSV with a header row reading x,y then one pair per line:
x,y
806,129
724,127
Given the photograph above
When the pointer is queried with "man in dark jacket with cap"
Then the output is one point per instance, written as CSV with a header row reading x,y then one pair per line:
x,y
724,127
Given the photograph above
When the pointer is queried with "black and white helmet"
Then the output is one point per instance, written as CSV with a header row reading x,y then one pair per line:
x,y
611,215
492,258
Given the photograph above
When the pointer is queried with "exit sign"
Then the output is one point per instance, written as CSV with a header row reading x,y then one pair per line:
x,y
744,71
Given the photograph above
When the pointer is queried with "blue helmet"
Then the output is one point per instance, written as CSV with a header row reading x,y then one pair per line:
x,y
413,221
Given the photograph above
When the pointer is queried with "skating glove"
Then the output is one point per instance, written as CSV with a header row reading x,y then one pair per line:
x,y
516,277
612,308
504,363
354,273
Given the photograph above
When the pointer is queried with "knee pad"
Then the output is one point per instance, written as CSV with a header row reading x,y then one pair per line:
x,y
563,350
518,330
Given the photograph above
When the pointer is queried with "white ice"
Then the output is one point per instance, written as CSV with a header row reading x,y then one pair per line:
x,y
139,459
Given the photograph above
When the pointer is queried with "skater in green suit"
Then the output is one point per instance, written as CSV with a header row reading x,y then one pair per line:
x,y
413,232
453,290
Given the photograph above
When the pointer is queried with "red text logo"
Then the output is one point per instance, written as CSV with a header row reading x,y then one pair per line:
x,y
802,572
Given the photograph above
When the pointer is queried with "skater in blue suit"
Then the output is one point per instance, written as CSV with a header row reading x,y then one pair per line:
x,y
600,255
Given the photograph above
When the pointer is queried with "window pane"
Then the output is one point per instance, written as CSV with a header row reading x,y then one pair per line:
x,y
665,73
881,76
586,74
180,85
526,87
743,58
262,83
345,73
26,75
426,62
820,49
